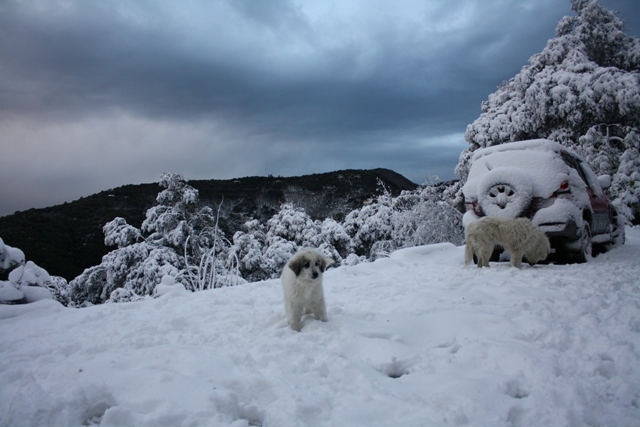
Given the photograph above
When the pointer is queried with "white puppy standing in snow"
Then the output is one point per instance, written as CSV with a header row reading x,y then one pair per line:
x,y
518,236
302,284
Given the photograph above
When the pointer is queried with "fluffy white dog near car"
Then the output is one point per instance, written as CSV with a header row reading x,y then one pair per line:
x,y
518,236
302,284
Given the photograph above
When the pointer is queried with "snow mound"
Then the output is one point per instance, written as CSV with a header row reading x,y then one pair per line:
x,y
412,339
168,285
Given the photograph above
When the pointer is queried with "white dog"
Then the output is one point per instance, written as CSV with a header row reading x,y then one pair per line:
x,y
302,284
518,236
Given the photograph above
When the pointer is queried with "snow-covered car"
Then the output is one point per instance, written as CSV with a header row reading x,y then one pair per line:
x,y
549,184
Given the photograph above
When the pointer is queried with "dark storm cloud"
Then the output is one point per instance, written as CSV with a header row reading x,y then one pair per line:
x,y
106,93
93,55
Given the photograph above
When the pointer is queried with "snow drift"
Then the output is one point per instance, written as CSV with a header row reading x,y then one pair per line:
x,y
413,339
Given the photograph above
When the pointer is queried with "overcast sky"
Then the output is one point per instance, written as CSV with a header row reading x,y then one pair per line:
x,y
99,94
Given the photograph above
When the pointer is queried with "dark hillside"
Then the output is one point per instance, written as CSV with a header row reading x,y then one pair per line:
x,y
65,239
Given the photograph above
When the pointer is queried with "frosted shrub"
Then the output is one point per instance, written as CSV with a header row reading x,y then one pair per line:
x,y
276,256
426,216
10,257
625,187
178,238
119,233
388,223
293,224
334,236
123,295
136,268
27,282
370,224
250,253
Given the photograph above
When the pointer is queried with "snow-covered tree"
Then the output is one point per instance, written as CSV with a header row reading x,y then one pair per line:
x,y
178,220
428,216
335,239
293,224
371,225
248,246
119,233
582,90
382,225
424,216
178,238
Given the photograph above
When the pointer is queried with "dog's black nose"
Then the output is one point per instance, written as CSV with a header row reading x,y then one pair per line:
x,y
314,275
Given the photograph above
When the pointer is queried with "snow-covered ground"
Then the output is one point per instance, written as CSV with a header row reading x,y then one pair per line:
x,y
416,339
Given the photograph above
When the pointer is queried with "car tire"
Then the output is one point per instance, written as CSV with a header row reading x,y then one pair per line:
x,y
505,192
617,234
583,251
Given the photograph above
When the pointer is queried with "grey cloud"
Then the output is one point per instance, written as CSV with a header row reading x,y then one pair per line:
x,y
352,83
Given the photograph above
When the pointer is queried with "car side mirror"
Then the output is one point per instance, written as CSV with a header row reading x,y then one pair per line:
x,y
604,181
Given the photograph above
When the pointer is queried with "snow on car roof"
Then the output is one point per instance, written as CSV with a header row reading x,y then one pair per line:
x,y
535,144
537,158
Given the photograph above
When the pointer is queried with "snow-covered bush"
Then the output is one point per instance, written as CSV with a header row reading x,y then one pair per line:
x,y
424,216
276,256
248,246
123,295
168,285
294,225
136,267
429,216
119,233
262,251
335,238
10,257
182,240
582,90
178,238
27,282
370,224
383,225
60,289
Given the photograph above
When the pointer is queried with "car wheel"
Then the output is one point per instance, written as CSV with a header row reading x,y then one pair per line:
x,y
617,234
582,250
505,192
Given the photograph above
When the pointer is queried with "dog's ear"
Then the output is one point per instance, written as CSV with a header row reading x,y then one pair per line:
x,y
296,265
326,262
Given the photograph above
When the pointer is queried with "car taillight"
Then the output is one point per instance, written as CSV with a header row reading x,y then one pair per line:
x,y
473,206
564,189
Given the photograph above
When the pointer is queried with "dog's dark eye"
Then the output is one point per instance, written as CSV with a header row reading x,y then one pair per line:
x,y
307,265
317,264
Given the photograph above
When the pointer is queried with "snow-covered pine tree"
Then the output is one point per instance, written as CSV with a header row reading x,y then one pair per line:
x,y
582,90
179,238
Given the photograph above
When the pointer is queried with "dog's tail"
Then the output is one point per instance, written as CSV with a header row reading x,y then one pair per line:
x,y
468,254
